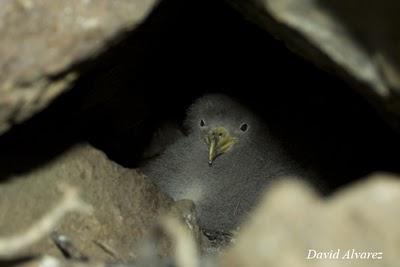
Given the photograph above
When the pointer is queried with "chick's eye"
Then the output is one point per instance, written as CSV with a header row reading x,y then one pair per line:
x,y
244,127
202,123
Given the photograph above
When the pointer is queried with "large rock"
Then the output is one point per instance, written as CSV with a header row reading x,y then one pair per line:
x,y
125,204
292,220
42,42
357,40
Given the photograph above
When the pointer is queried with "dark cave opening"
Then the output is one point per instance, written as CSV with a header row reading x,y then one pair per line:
x,y
187,49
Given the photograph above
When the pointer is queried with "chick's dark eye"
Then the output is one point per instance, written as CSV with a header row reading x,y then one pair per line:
x,y
202,123
244,127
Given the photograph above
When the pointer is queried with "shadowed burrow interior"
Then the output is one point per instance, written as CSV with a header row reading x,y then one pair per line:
x,y
186,49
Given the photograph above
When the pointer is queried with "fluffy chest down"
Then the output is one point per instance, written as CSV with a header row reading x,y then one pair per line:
x,y
224,192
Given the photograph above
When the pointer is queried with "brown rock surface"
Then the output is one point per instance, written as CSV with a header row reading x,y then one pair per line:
x,y
41,41
125,204
292,219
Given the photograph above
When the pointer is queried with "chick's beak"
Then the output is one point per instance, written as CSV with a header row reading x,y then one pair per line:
x,y
219,141
212,153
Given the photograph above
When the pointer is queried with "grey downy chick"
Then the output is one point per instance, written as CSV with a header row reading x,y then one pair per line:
x,y
222,164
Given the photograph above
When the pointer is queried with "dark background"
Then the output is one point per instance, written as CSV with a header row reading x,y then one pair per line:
x,y
189,48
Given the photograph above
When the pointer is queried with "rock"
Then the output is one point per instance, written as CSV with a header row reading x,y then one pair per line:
x,y
357,41
292,219
290,223
125,203
43,42
185,212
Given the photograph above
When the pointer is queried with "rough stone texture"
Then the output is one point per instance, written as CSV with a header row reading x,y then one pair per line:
x,y
360,41
41,40
292,219
126,205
